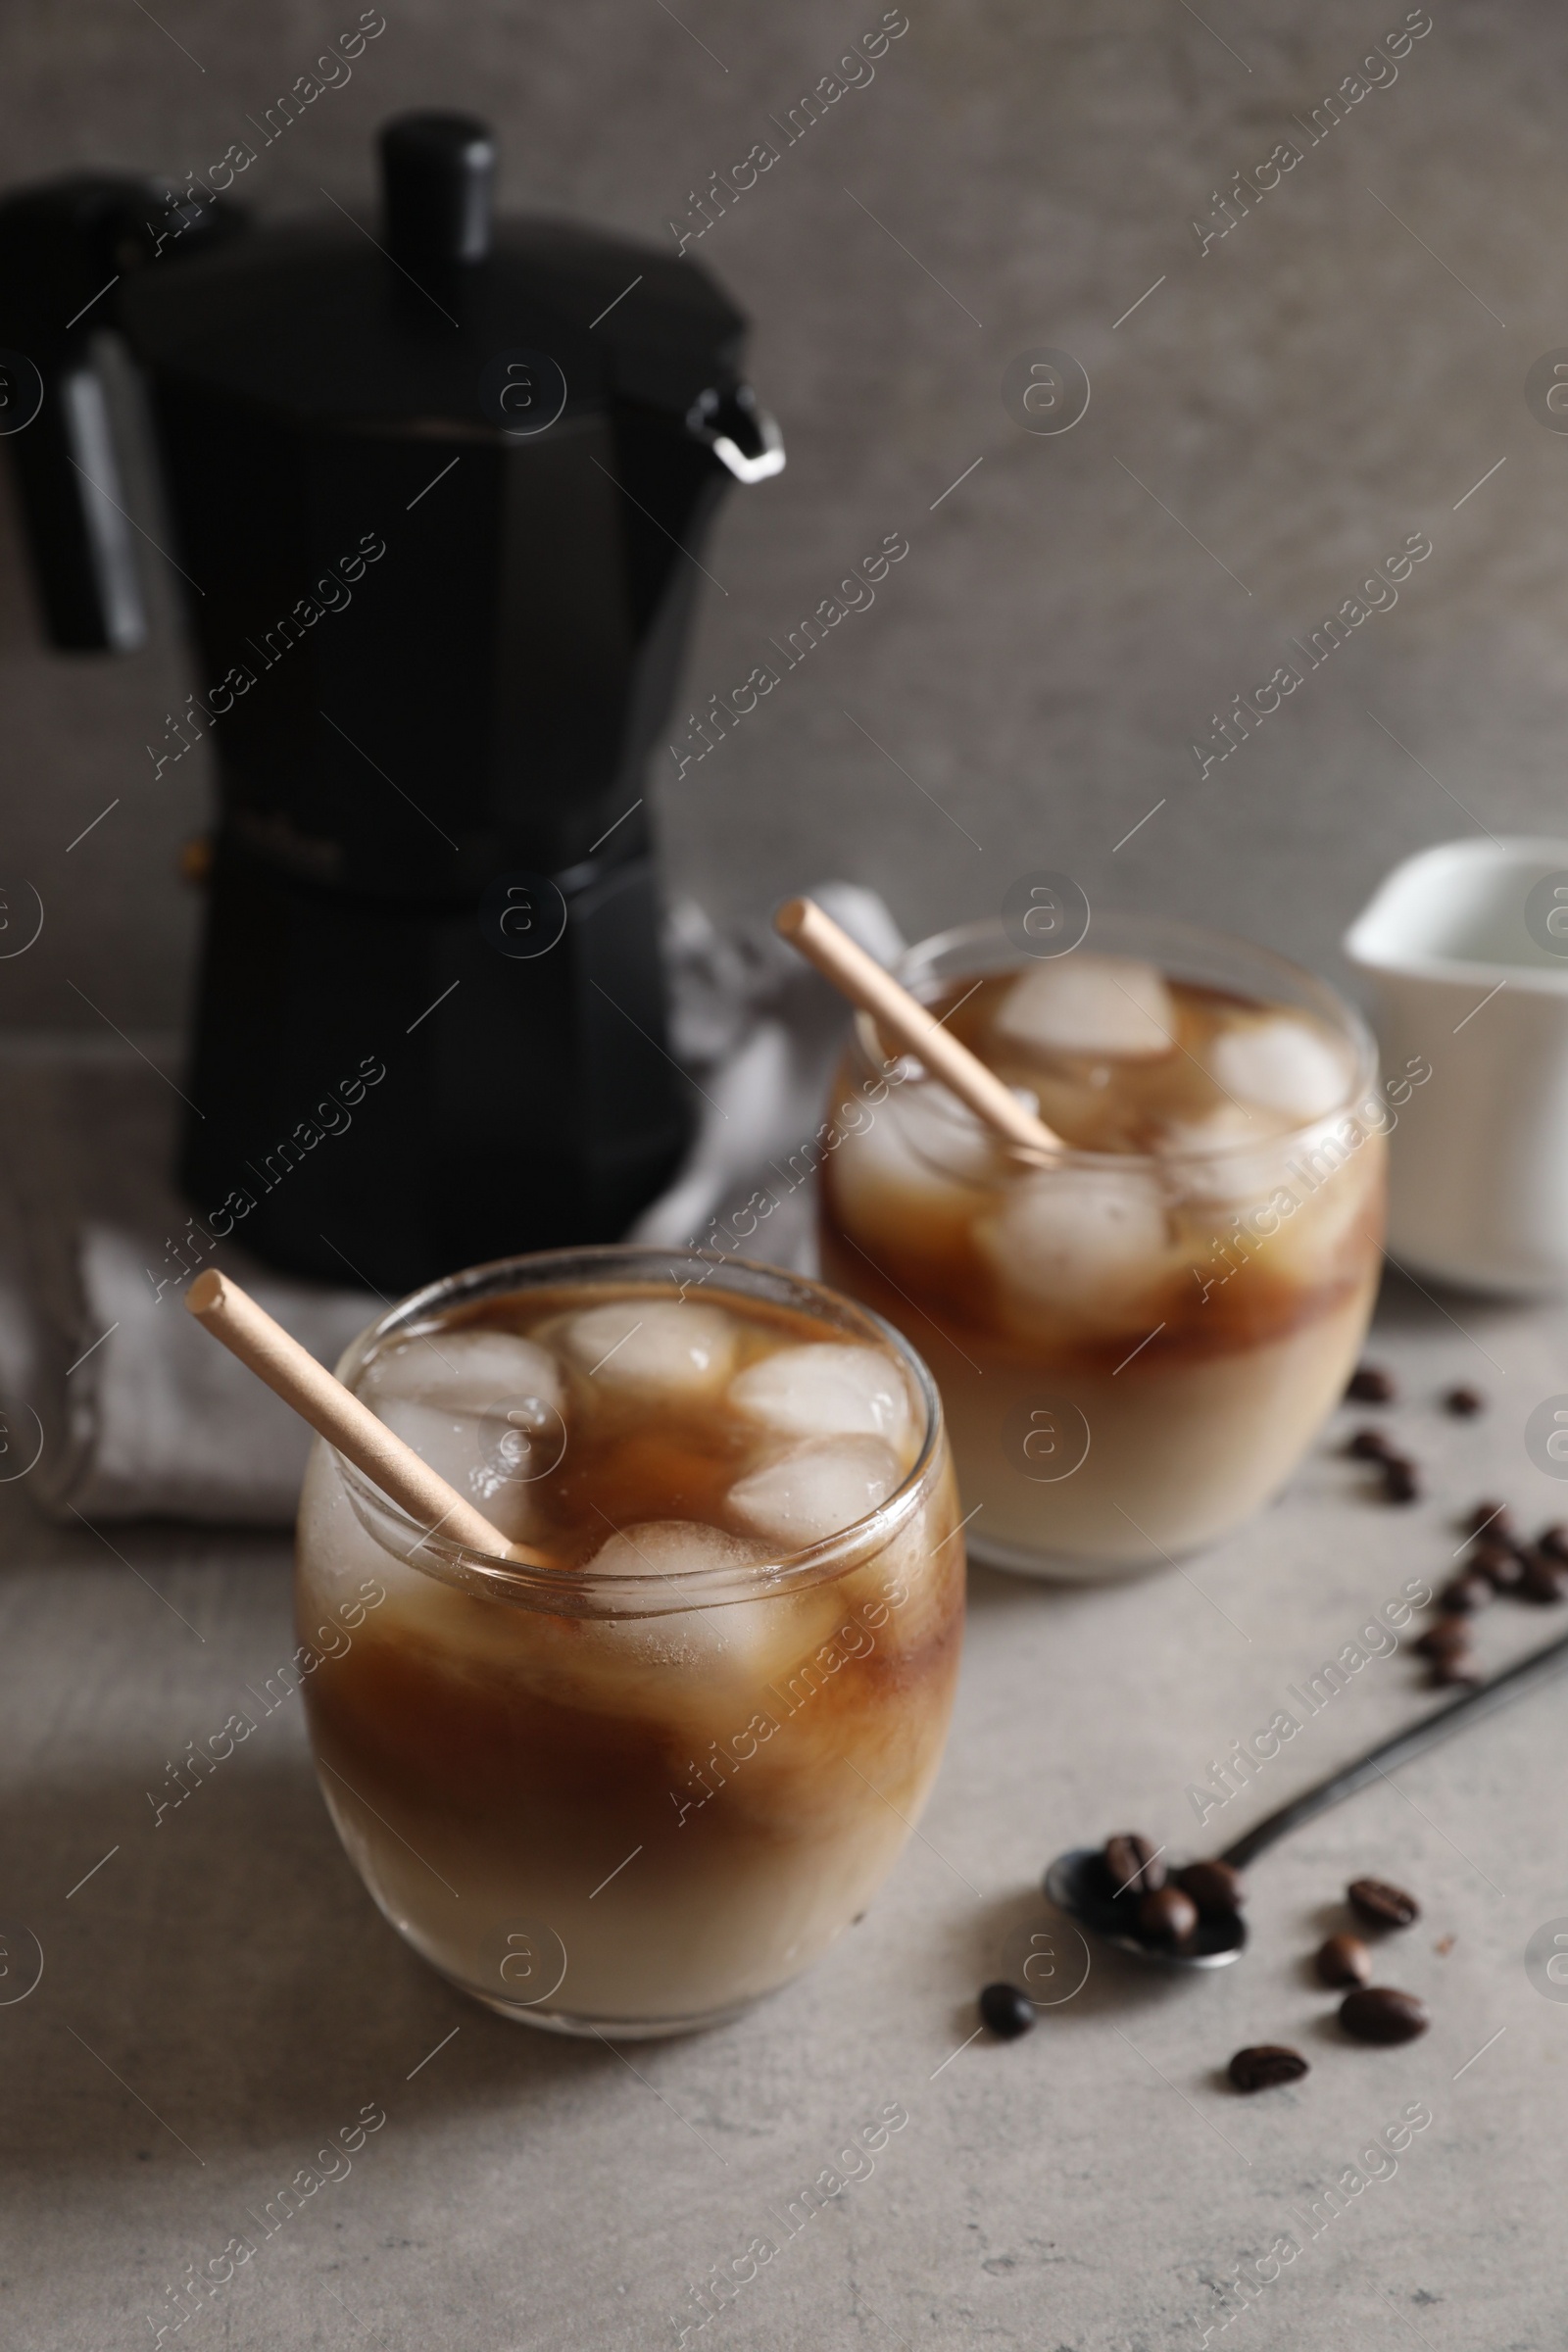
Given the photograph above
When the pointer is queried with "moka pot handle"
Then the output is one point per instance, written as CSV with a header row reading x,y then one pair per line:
x,y
65,250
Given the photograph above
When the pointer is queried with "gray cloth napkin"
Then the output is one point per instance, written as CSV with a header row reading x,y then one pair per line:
x,y
114,1405
117,1404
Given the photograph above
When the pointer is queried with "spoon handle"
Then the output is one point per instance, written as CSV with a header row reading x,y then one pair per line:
x,y
1413,1741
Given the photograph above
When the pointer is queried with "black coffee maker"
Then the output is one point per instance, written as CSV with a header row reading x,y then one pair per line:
x,y
436,496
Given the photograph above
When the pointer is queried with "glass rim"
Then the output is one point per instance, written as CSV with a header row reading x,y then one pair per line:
x,y
579,1592
962,940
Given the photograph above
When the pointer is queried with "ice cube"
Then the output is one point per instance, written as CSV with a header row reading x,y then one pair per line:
x,y
826,1389
1086,1241
816,1489
1281,1064
1089,1004
491,1458
911,1175
737,1637
662,1344
943,1132
482,1407
464,1371
672,1547
1230,1153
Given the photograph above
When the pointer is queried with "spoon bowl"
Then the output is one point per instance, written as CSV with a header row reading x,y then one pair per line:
x,y
1077,1884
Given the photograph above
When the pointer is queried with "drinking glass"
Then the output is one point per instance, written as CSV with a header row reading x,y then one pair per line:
x,y
1134,1347
635,1791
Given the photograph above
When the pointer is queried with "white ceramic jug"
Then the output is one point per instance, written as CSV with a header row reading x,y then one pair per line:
x,y
1467,947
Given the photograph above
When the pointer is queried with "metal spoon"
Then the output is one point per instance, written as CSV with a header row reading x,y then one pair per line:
x,y
1077,1882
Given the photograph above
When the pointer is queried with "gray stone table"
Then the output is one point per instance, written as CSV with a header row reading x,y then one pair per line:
x,y
218,1996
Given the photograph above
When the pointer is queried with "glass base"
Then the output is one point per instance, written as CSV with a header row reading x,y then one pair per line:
x,y
1056,1568
604,2029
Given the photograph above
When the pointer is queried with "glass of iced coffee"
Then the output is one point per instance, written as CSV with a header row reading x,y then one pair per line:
x,y
1135,1337
635,1788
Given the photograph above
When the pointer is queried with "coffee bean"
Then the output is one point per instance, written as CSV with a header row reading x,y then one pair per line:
x,y
1498,1562
1540,1580
1344,1960
1369,1383
1452,1674
1264,2064
1215,1887
1006,2011
1402,1481
1464,1594
1380,1904
1134,1864
1489,1518
1464,1403
1449,1638
1377,2013
1368,1445
1166,1919
1553,1542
